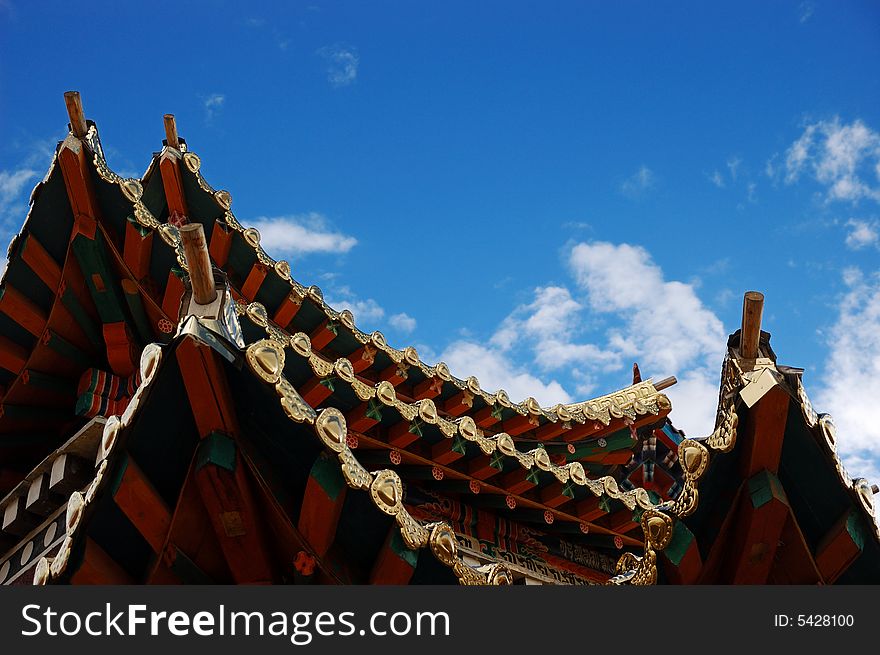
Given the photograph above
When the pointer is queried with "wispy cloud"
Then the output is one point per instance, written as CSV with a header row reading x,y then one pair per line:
x,y
845,159
732,166
341,64
639,182
213,104
302,234
717,179
12,186
806,11
402,322
851,384
862,234
620,309
495,370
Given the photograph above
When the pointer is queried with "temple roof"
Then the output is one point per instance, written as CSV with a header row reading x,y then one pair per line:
x,y
97,293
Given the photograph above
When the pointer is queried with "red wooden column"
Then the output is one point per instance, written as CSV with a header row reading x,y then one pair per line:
x,y
395,563
219,470
169,167
841,546
322,504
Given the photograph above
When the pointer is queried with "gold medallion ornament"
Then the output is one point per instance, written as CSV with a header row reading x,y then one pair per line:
x,y
282,269
108,437
473,385
347,319
266,359
411,356
301,344
257,313
252,237
387,491
76,505
441,370
505,444
829,431
223,198
332,429
386,394
132,189
192,162
344,369
427,411
443,543
150,359
694,458
467,428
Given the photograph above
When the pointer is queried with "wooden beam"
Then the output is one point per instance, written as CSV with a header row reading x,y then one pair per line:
x,y
138,499
75,112
69,473
137,249
395,563
99,568
763,511
22,310
841,546
220,478
363,358
12,356
323,334
174,289
254,281
198,261
428,388
750,335
322,504
459,403
172,183
518,424
16,519
761,445
171,138
682,562
395,374
286,310
41,262
207,389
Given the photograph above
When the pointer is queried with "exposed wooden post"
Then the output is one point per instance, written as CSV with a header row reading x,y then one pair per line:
x,y
665,383
171,132
75,111
199,262
750,335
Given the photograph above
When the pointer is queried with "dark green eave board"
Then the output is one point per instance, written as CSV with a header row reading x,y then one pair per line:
x,y
815,492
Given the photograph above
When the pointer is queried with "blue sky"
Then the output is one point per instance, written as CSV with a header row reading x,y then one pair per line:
x,y
536,193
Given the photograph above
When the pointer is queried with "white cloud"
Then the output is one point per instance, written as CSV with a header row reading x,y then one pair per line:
x,y
622,310
496,371
843,158
732,165
213,104
12,184
851,384
342,64
862,234
363,310
300,234
805,11
662,324
717,179
642,180
402,322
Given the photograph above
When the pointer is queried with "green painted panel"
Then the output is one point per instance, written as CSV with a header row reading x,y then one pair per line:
x,y
411,557
216,449
326,472
679,544
764,487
